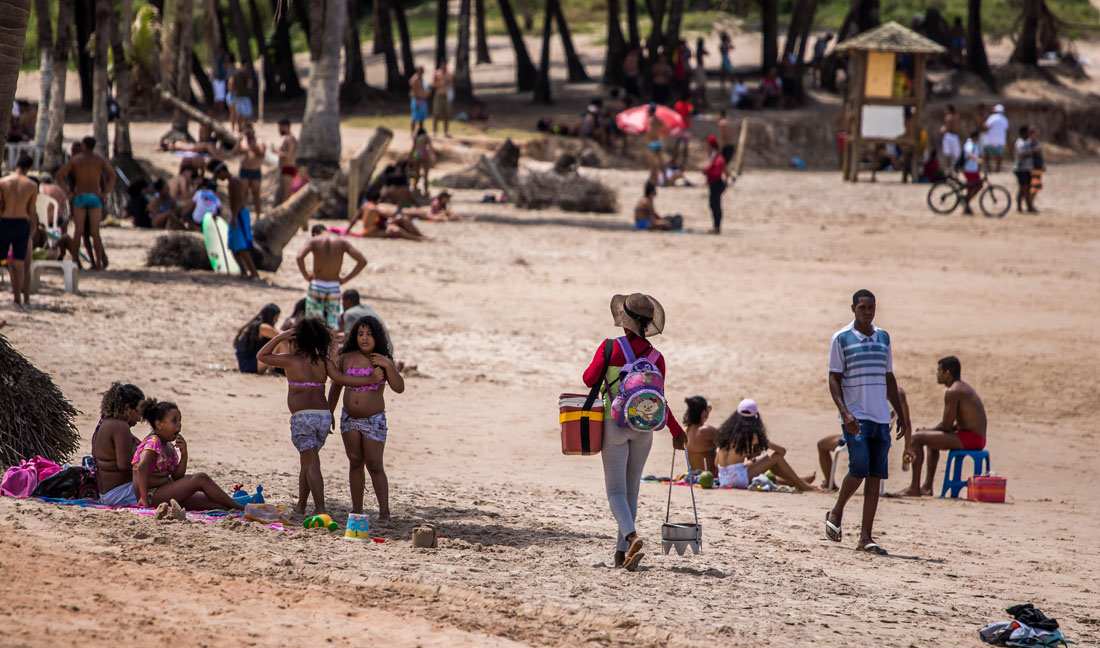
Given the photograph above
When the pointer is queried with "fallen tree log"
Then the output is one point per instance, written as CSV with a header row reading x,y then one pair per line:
x,y
271,234
227,137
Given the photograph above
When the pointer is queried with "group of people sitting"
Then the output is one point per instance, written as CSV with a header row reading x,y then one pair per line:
x,y
391,200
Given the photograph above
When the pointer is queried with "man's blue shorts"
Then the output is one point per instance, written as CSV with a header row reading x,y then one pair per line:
x,y
419,109
869,452
240,237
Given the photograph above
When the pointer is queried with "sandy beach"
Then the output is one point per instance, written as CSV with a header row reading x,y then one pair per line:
x,y
501,315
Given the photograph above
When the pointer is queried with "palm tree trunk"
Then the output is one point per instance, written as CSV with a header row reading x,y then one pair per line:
x,y
1026,50
542,83
616,46
572,61
632,23
258,31
85,26
278,227
407,63
396,83
319,147
463,84
525,69
45,68
120,48
354,87
301,12
975,47
479,30
675,17
286,84
99,79
657,21
186,9
12,39
807,22
244,43
440,32
769,51
53,157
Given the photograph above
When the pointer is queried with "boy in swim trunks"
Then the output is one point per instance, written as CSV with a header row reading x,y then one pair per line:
x,y
323,298
89,177
963,426
18,194
240,222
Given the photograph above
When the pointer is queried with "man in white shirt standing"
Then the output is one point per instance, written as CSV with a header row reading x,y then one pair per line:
x,y
862,384
996,136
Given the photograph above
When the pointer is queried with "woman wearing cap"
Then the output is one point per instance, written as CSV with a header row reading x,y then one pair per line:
x,y
741,441
625,450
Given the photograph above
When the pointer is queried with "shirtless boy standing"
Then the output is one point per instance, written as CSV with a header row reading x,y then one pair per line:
x,y
89,177
17,221
441,102
963,426
240,222
288,152
323,298
653,144
252,152
418,100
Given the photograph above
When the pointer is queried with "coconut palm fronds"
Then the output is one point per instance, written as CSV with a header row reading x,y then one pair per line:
x,y
35,417
572,192
178,251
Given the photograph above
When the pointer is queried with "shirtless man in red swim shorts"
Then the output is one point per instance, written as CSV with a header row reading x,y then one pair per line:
x,y
963,426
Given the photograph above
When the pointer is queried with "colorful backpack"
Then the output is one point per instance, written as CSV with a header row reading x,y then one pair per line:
x,y
640,404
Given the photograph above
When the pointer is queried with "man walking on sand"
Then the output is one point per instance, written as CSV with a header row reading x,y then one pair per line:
x,y
89,177
288,169
861,382
963,426
323,298
418,100
240,221
18,219
442,83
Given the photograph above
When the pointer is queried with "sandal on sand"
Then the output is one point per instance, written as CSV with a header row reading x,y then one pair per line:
x,y
873,548
631,563
635,547
832,531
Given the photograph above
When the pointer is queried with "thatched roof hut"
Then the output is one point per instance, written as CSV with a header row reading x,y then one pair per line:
x,y
35,417
891,37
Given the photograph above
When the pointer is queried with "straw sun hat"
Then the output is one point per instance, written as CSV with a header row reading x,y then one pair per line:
x,y
641,314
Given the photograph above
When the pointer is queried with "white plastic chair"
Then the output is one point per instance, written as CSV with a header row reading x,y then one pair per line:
x,y
49,215
832,471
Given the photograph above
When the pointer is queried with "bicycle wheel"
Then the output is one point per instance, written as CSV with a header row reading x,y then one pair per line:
x,y
995,201
943,198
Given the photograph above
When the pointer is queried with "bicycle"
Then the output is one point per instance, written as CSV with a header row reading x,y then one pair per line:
x,y
945,196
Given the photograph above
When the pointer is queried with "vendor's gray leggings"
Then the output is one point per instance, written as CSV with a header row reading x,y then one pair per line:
x,y
624,454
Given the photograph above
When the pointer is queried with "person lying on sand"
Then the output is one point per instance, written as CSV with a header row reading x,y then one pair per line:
x,y
741,439
390,221
113,444
160,469
702,439
963,426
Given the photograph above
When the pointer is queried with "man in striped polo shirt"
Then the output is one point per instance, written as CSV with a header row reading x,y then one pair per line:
x,y
861,382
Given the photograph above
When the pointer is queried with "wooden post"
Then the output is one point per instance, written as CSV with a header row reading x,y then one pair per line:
x,y
742,138
918,110
260,97
353,186
855,136
362,165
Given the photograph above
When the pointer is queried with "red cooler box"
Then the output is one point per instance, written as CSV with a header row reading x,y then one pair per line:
x,y
575,438
986,489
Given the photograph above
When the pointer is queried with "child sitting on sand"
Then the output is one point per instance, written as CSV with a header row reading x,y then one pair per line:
x,y
307,369
702,441
742,438
366,353
160,469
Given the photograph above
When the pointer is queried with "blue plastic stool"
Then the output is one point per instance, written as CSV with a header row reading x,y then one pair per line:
x,y
952,474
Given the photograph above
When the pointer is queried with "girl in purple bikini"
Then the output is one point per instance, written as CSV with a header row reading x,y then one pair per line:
x,y
307,369
366,353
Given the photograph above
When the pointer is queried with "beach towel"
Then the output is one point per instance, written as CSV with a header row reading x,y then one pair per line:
x,y
682,481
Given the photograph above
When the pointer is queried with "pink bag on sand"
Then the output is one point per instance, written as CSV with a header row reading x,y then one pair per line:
x,y
45,467
20,481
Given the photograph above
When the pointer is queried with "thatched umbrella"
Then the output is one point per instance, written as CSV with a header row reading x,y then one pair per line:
x,y
35,417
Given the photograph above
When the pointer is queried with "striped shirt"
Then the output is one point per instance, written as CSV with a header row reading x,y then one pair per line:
x,y
864,361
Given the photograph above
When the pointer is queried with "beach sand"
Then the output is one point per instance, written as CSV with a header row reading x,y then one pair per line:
x,y
503,314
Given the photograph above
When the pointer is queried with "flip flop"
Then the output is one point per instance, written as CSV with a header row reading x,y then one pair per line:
x,y
631,563
832,531
874,549
635,547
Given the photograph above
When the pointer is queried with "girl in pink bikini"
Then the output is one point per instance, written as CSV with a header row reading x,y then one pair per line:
x,y
307,369
366,353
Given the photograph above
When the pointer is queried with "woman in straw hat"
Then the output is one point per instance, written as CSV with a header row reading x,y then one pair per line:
x,y
625,450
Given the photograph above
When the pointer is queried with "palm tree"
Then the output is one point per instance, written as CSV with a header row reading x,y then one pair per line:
x,y
440,32
407,63
244,43
1026,50
616,46
45,68
99,77
975,48
463,84
13,36
657,20
525,69
319,145
675,17
354,87
769,49
396,83
53,156
286,85
542,83
120,50
482,43
632,23
572,61
186,9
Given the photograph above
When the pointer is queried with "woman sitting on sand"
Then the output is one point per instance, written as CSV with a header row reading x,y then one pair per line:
x,y
113,444
742,438
624,449
389,221
251,338
160,469
702,439
645,214
307,369
440,209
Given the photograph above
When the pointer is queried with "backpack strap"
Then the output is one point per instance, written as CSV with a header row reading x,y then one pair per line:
x,y
628,353
608,347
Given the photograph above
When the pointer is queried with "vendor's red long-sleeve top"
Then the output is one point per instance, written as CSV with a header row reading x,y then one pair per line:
x,y
639,346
